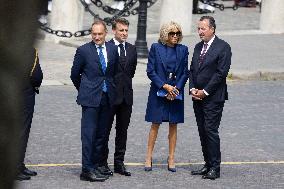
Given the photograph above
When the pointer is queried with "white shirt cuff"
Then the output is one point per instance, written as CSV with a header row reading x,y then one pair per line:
x,y
205,92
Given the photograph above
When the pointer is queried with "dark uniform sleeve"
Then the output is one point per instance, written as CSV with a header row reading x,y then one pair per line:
x,y
36,74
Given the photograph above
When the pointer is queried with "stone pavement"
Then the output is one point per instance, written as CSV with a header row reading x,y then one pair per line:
x,y
251,134
251,129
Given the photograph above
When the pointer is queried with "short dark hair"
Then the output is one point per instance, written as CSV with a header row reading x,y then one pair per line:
x,y
98,22
211,21
119,20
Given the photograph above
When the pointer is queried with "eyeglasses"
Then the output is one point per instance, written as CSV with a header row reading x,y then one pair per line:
x,y
178,34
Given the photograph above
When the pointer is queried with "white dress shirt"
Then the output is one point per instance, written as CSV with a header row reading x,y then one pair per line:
x,y
117,43
208,46
104,51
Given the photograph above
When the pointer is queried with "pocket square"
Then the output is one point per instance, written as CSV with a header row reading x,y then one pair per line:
x,y
163,93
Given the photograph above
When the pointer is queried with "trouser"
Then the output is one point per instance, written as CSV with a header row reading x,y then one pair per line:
x,y
93,133
208,117
123,113
24,132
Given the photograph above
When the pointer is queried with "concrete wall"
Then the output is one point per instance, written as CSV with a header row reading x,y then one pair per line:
x,y
179,11
272,16
67,15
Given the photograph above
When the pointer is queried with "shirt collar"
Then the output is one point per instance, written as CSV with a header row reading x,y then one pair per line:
x,y
103,45
117,43
211,41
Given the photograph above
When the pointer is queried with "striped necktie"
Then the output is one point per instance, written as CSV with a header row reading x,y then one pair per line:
x,y
202,55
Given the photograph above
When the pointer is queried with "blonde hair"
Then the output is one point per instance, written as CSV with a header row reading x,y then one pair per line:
x,y
166,29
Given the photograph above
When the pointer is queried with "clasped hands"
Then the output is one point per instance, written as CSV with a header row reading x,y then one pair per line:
x,y
172,91
197,94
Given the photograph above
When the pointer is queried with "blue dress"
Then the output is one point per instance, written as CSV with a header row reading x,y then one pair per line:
x,y
170,63
162,61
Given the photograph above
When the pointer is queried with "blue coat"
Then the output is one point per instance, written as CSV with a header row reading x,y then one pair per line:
x,y
156,71
88,77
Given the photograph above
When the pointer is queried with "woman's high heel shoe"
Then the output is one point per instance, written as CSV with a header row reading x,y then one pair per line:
x,y
147,169
171,169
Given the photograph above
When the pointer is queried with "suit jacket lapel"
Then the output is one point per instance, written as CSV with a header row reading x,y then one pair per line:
x,y
127,49
197,55
123,67
94,50
162,50
108,50
209,51
178,53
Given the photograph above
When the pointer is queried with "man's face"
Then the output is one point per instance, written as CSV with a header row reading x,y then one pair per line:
x,y
204,31
120,32
98,34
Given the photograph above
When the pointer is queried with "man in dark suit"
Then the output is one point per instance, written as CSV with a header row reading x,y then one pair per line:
x,y
207,83
29,90
124,99
95,64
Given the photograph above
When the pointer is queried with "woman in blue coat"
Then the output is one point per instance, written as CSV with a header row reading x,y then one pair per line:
x,y
167,69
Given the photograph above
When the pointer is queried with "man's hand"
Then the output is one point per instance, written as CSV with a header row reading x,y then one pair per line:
x,y
200,94
197,94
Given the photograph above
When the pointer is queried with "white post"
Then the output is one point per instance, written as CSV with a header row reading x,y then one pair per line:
x,y
272,16
179,11
67,15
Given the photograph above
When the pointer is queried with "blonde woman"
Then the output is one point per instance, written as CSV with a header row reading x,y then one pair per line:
x,y
167,69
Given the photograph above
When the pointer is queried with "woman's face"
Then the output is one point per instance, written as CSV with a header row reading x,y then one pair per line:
x,y
173,37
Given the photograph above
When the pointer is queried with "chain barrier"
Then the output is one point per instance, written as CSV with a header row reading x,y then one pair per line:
x,y
59,33
127,11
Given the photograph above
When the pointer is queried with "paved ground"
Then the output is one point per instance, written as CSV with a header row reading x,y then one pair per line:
x,y
251,131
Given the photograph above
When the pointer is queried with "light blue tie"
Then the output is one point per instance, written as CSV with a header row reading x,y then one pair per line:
x,y
104,66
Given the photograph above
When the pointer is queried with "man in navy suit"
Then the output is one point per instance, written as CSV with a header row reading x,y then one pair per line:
x,y
207,83
124,99
95,64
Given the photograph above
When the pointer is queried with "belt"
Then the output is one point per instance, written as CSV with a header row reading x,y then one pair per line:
x,y
172,76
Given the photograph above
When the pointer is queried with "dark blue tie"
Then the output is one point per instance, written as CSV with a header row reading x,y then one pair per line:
x,y
122,57
104,66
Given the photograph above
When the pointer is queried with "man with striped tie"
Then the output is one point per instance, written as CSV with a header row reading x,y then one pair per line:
x,y
207,83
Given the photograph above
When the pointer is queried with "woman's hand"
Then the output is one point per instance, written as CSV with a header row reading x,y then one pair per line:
x,y
169,88
172,91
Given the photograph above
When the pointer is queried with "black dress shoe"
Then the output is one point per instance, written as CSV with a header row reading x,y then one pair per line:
x,y
212,174
105,170
21,177
204,170
28,172
121,169
92,176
